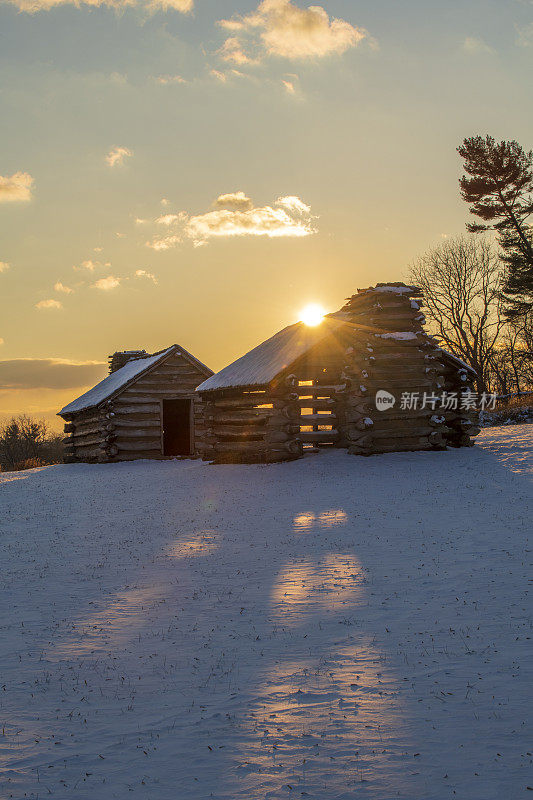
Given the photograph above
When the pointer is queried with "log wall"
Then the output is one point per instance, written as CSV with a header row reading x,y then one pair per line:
x,y
327,398
129,426
394,354
252,426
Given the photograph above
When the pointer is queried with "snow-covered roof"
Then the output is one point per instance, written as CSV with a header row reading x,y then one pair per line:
x,y
262,364
393,289
122,377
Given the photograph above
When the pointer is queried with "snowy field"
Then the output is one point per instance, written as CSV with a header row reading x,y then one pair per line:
x,y
331,628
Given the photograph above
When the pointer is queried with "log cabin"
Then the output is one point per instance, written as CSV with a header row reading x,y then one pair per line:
x,y
308,388
146,407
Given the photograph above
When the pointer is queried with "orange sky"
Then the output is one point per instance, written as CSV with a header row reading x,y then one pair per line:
x,y
197,172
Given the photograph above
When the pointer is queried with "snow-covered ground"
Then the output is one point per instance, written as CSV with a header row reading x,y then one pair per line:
x,y
330,628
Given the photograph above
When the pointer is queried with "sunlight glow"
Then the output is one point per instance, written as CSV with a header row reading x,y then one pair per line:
x,y
312,315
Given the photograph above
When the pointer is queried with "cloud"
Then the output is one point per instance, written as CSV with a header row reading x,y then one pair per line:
x,y
237,201
4,266
220,76
48,373
233,52
15,188
59,287
1,340
475,46
142,273
42,304
294,204
165,243
234,215
169,219
524,35
164,80
90,265
106,284
116,156
281,28
289,87
32,6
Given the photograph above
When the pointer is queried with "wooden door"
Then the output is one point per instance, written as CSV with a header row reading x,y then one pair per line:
x,y
177,424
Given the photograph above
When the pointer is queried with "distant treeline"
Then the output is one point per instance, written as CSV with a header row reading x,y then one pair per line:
x,y
26,443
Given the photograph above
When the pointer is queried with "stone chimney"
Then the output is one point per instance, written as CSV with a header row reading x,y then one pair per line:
x,y
121,357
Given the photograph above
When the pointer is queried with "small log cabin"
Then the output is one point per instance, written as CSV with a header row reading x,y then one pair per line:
x,y
313,387
145,408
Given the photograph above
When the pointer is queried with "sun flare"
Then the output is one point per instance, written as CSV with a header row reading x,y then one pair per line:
x,y
312,315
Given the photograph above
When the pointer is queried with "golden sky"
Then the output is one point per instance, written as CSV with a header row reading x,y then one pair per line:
x,y
197,171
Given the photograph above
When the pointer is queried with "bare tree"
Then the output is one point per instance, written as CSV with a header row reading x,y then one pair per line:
x,y
462,280
511,364
26,442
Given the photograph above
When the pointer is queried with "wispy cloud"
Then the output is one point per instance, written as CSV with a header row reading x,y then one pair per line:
x,y
234,214
165,80
4,266
91,265
220,76
524,35
48,304
116,156
476,46
32,6
60,287
15,188
169,219
106,284
281,28
48,373
142,273
232,51
289,86
164,243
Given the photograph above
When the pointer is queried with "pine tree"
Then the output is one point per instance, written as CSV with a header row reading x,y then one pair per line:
x,y
498,186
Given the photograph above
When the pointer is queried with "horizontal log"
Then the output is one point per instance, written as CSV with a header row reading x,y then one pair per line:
x,y
316,403
237,417
146,395
380,373
87,452
320,419
87,424
133,455
123,434
139,445
326,390
240,447
318,436
238,430
133,405
134,417
170,379
402,433
260,449
86,441
400,446
178,369
243,403
148,421
274,436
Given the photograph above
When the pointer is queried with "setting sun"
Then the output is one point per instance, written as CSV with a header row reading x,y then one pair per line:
x,y
313,314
